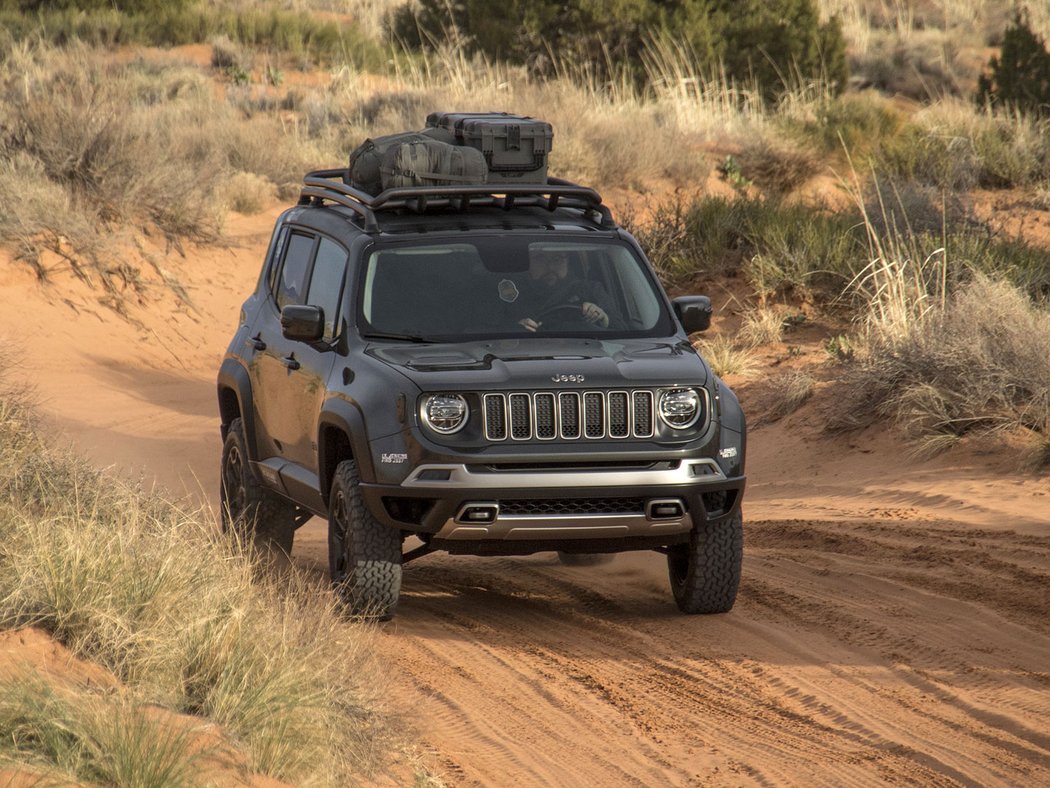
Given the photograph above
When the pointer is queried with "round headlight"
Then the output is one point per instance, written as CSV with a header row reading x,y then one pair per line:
x,y
679,408
445,413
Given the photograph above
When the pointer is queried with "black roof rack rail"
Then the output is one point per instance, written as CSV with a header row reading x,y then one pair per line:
x,y
329,185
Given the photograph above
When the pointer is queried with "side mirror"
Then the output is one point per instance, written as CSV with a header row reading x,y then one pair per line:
x,y
694,312
302,323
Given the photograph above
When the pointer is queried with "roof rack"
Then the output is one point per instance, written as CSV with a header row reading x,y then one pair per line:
x,y
322,186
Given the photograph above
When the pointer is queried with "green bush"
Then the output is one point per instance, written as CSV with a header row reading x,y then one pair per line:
x,y
772,43
1019,78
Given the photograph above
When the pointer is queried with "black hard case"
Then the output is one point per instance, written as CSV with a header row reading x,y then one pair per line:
x,y
515,146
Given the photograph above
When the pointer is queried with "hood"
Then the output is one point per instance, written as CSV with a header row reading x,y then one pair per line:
x,y
544,363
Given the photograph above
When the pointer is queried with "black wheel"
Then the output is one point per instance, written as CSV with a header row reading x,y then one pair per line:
x,y
705,573
585,559
253,510
364,556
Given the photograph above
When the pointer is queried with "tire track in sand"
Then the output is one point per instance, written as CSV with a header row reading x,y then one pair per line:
x,y
857,652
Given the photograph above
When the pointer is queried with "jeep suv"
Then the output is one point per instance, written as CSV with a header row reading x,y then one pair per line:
x,y
494,370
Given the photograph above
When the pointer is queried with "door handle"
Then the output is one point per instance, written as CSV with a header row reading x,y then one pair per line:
x,y
290,362
256,342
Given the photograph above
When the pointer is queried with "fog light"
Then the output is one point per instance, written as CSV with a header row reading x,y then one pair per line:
x,y
667,509
478,513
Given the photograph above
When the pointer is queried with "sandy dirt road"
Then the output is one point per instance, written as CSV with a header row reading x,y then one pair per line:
x,y
863,651
893,624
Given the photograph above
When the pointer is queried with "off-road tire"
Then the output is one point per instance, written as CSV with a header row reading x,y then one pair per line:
x,y
705,573
364,556
585,559
246,505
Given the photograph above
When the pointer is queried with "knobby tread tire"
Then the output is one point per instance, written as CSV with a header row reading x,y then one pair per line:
x,y
705,574
369,579
266,517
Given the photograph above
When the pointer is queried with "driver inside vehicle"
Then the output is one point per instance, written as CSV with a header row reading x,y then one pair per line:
x,y
553,296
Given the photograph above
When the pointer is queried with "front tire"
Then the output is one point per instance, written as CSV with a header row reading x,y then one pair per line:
x,y
247,506
364,556
705,573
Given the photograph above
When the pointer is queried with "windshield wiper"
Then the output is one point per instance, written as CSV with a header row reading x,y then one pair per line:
x,y
391,335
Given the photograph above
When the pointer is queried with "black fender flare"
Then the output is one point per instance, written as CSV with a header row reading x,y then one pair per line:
x,y
233,377
734,423
344,415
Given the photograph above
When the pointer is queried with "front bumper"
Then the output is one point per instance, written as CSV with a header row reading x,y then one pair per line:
x,y
537,507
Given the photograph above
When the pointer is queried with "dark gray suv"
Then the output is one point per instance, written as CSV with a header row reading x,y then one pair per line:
x,y
494,370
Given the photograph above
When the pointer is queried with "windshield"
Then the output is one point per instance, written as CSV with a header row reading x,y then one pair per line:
x,y
510,286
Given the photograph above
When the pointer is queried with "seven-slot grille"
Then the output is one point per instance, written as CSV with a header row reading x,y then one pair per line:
x,y
570,415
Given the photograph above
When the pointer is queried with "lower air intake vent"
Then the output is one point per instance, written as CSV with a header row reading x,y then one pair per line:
x,y
553,507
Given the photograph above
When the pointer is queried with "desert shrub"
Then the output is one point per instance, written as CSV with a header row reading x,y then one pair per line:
x,y
77,123
181,615
88,148
860,123
726,357
1019,76
789,391
774,44
921,64
246,192
953,146
943,160
761,327
777,166
975,361
777,245
780,247
226,55
908,206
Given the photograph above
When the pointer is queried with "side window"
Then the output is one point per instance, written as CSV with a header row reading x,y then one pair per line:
x,y
275,258
291,282
326,283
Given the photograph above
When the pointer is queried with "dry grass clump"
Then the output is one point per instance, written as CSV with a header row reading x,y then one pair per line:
x,y
789,391
778,166
246,192
761,327
726,357
945,366
150,592
76,733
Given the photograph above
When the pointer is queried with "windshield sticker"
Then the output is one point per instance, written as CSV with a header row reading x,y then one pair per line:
x,y
508,291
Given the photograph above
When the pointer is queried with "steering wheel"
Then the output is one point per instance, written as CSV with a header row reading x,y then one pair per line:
x,y
562,317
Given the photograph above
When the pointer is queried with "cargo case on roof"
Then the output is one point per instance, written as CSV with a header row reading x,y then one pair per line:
x,y
515,146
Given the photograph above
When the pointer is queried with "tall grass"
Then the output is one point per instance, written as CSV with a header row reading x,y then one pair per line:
x,y
948,345
68,733
150,592
953,146
89,149
299,34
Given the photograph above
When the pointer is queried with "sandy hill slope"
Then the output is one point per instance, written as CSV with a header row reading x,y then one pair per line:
x,y
893,623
